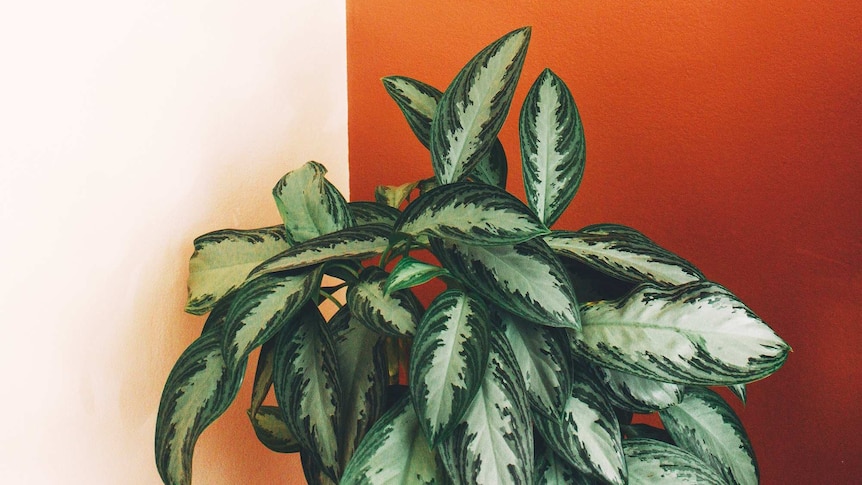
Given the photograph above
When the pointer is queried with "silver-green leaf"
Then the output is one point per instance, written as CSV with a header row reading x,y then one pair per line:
x,y
417,101
698,333
638,394
474,107
704,424
365,212
652,462
410,272
551,469
395,314
552,147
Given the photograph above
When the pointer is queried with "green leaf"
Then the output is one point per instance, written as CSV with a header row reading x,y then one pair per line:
x,y
552,147
394,452
586,433
591,284
312,470
198,390
624,253
526,279
474,107
395,314
307,386
262,376
310,205
704,424
553,470
410,272
417,101
493,168
365,213
653,462
471,213
638,394
493,443
262,307
640,430
223,259
363,375
543,356
359,242
447,361
394,195
739,391
270,429
698,333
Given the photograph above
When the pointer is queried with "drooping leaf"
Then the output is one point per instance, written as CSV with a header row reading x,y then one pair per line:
x,y
493,443
638,394
473,108
705,425
362,374
223,259
307,386
262,307
552,147
359,242
365,213
271,431
471,213
394,452
447,361
553,470
526,279
310,205
199,389
395,314
653,462
543,356
417,101
586,433
698,333
410,272
624,253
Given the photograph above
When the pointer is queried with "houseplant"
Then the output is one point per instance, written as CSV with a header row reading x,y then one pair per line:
x,y
528,366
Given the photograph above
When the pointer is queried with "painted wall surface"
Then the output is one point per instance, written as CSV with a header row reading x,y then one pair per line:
x,y
126,130
729,132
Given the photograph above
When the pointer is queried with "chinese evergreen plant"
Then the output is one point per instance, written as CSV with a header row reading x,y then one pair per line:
x,y
527,368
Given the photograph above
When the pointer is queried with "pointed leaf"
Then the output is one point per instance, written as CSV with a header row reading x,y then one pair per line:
x,y
525,279
698,333
394,195
223,259
310,205
307,387
471,213
552,147
553,470
653,462
447,361
394,452
704,424
417,101
359,242
262,307
271,431
739,391
410,272
624,253
365,213
638,394
493,443
474,107
395,314
198,390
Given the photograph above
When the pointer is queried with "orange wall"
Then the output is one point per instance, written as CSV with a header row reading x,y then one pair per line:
x,y
730,132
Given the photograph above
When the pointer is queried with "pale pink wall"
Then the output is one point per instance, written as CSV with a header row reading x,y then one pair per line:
x,y
127,129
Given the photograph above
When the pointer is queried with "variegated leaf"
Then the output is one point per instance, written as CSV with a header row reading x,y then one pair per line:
x,y
359,242
394,195
474,106
624,253
362,374
262,375
544,358
307,386
493,168
641,430
199,389
312,470
394,452
223,259
471,213
586,433
552,147
310,205
526,279
261,307
395,314
365,213
704,424
410,272
740,391
550,469
447,361
638,394
652,462
417,101
698,333
271,431
493,443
